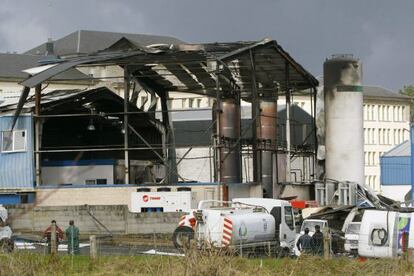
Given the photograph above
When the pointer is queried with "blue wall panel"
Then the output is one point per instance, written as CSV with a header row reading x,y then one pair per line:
x,y
17,168
395,170
9,199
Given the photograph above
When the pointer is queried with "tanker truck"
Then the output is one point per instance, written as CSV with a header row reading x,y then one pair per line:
x,y
244,225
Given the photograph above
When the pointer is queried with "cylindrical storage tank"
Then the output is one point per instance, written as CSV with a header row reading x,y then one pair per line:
x,y
344,140
267,133
229,123
251,227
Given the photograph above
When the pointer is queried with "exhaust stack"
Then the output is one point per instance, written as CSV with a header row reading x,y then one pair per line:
x,y
344,119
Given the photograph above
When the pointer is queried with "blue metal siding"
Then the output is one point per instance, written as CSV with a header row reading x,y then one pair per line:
x,y
9,199
395,170
17,168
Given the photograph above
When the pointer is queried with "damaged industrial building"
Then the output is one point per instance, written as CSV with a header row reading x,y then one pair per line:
x,y
75,135
114,137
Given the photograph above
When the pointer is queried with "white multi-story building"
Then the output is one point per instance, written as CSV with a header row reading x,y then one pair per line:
x,y
386,124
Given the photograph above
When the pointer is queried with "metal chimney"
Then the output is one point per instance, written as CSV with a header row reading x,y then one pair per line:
x,y
50,48
344,119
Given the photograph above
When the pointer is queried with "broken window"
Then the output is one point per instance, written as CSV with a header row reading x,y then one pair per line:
x,y
13,141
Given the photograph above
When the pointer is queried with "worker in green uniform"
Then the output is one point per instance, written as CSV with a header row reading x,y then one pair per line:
x,y
72,235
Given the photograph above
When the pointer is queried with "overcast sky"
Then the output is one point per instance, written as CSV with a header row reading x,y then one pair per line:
x,y
380,32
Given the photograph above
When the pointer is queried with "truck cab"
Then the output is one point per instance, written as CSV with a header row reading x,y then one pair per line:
x,y
351,237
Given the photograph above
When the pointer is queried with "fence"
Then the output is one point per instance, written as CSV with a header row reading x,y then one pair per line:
x,y
162,244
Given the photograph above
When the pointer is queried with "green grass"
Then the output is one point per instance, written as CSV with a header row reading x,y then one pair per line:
x,y
195,264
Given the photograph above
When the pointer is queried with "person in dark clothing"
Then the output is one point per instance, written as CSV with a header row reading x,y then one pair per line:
x,y
72,235
48,235
304,243
317,241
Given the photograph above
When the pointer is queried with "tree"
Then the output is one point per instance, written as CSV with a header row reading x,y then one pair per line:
x,y
408,90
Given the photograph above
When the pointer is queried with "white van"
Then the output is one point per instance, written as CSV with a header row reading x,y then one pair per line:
x,y
383,233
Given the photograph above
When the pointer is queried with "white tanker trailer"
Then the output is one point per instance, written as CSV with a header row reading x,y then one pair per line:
x,y
244,224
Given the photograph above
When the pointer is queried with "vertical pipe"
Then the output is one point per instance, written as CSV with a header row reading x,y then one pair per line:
x,y
218,135
287,85
266,134
412,162
126,122
314,129
255,122
38,136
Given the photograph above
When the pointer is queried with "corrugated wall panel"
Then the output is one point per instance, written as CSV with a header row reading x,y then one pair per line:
x,y
395,170
17,168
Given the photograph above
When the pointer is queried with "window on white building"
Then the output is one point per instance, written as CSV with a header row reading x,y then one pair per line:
x,y
388,136
191,102
403,113
373,112
170,103
365,112
184,103
395,137
379,113
13,141
389,114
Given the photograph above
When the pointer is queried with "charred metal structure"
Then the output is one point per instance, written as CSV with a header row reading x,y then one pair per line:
x,y
255,72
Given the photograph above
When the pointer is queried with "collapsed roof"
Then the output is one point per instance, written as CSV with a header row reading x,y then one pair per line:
x,y
184,68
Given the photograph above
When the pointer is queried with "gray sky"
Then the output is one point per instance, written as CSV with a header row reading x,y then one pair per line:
x,y
380,32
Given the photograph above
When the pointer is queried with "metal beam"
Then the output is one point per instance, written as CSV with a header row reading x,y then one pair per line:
x,y
126,123
38,135
219,165
171,162
288,92
255,123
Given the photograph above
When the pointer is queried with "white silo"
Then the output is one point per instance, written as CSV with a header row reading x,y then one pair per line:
x,y
344,119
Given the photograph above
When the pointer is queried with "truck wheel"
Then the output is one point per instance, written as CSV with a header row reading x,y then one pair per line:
x,y
6,245
182,237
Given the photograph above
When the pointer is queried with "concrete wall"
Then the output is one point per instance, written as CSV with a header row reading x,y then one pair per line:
x,y
116,218
112,195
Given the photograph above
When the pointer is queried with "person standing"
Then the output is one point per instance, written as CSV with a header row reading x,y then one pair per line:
x,y
304,243
48,235
317,241
72,235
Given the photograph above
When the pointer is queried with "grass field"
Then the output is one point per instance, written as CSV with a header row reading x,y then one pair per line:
x,y
195,264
